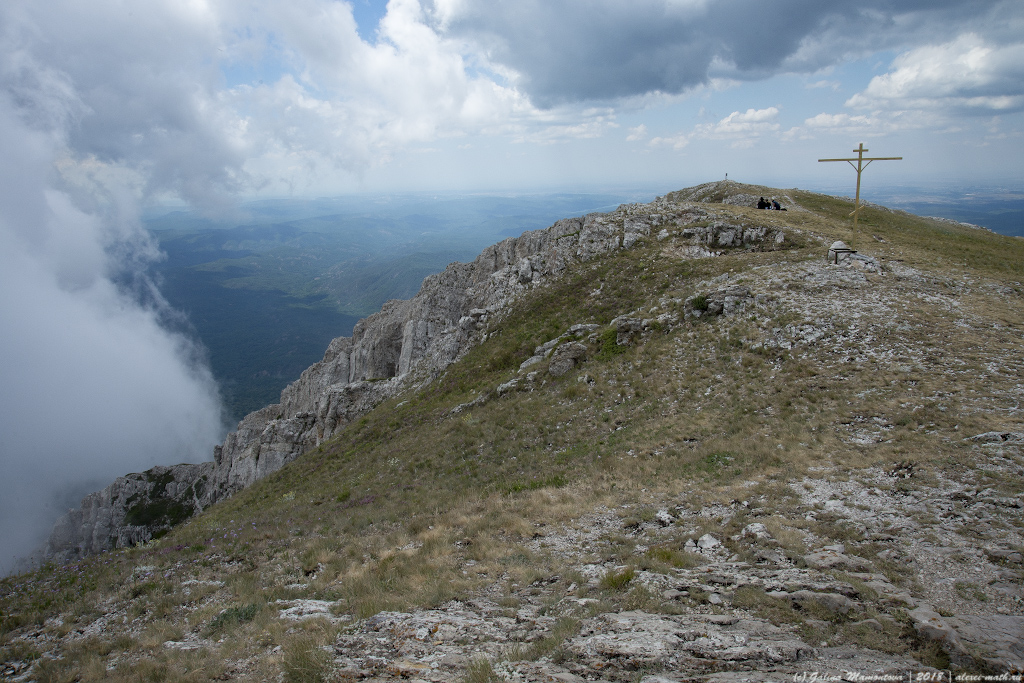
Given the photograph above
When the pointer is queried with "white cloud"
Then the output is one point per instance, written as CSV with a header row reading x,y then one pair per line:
x,y
968,75
637,133
752,122
92,384
930,88
740,129
676,142
838,124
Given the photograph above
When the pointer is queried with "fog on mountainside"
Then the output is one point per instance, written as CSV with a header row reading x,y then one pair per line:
x,y
92,382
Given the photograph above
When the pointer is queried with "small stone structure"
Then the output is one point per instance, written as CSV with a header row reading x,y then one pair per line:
x,y
839,251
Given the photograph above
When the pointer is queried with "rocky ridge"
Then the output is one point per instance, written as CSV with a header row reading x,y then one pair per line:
x,y
406,344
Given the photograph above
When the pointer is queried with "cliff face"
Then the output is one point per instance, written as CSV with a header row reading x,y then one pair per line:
x,y
406,344
132,510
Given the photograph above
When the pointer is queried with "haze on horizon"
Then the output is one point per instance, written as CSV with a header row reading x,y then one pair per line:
x,y
107,108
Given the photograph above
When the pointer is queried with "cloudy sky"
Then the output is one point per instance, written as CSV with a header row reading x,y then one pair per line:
x,y
108,106
209,99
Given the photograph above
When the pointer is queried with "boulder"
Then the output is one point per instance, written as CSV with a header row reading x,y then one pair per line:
x,y
931,625
708,542
833,604
830,559
998,639
839,252
565,358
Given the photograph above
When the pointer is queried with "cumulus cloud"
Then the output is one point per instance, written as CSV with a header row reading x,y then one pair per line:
x,y
637,133
968,75
752,122
741,129
345,103
857,126
606,49
931,87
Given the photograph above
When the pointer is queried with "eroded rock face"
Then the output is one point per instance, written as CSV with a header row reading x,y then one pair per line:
x,y
132,510
406,344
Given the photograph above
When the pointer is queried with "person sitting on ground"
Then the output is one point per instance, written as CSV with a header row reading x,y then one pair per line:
x,y
776,205
761,203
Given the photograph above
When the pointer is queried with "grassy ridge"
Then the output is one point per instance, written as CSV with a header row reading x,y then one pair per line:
x,y
388,515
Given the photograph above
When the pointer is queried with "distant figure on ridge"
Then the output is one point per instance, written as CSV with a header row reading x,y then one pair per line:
x,y
776,205
762,204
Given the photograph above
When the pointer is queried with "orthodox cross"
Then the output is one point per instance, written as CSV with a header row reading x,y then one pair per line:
x,y
860,166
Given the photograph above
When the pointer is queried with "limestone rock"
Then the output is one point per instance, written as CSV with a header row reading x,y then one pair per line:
x,y
131,510
757,530
631,640
839,252
724,301
708,542
997,639
832,603
831,559
565,358
931,625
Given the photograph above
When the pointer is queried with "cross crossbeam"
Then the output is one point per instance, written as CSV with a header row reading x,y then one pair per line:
x,y
859,167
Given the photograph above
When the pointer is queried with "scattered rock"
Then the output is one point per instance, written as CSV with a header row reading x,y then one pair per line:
x,y
830,559
930,624
664,518
832,603
708,542
996,437
756,530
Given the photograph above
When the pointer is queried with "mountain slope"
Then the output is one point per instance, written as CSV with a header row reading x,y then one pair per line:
x,y
755,461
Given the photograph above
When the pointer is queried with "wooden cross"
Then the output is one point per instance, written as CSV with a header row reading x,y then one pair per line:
x,y
860,159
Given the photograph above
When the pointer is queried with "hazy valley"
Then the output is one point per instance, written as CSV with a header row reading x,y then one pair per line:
x,y
266,295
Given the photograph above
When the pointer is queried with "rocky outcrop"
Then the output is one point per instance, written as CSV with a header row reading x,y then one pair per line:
x,y
406,344
132,510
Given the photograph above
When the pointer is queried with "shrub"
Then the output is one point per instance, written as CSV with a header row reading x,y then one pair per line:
x,y
233,616
618,580
610,344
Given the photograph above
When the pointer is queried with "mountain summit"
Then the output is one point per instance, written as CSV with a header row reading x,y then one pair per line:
x,y
684,440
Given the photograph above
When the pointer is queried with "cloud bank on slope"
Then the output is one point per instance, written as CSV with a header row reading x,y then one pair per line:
x,y
93,384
